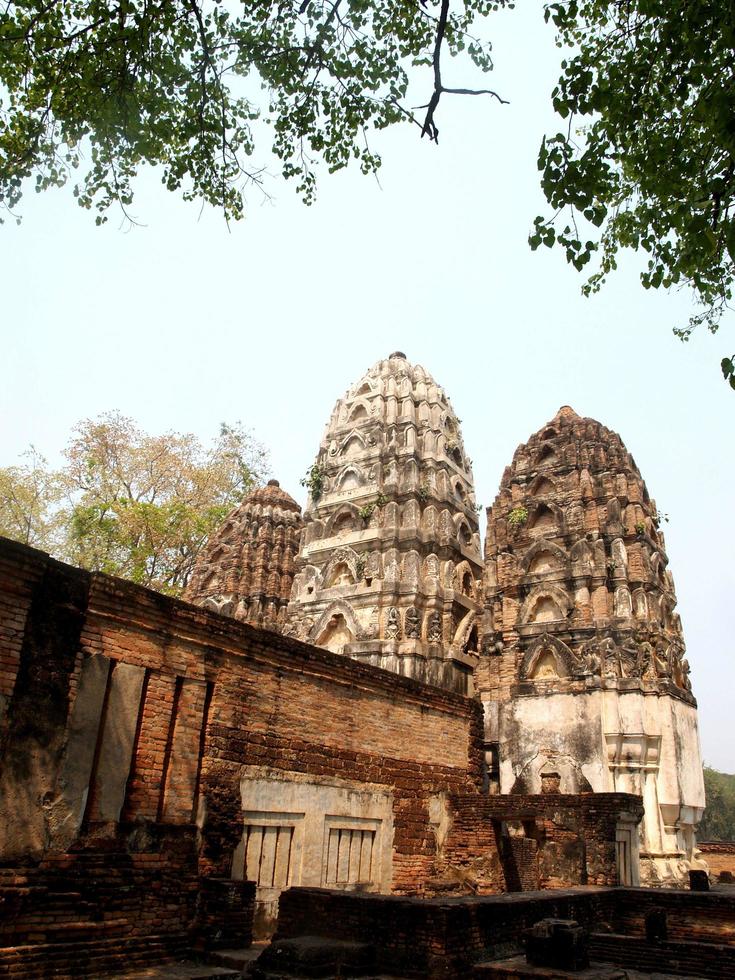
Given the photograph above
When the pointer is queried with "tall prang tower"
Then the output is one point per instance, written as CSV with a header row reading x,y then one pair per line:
x,y
583,673
389,569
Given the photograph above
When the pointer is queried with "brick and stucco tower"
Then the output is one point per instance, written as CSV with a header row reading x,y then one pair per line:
x,y
390,570
247,567
583,672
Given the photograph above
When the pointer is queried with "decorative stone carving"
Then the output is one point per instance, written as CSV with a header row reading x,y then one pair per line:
x,y
393,625
412,623
246,569
394,485
611,603
434,634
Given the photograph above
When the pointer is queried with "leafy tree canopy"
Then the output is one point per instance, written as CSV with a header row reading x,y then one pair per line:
x,y
129,503
29,499
647,156
718,822
105,87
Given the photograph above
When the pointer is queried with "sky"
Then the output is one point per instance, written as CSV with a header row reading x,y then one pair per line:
x,y
182,323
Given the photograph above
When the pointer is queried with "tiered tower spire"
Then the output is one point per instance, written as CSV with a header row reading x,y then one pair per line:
x,y
583,674
389,570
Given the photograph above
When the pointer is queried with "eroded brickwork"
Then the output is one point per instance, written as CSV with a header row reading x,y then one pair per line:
x,y
247,568
522,843
583,670
213,695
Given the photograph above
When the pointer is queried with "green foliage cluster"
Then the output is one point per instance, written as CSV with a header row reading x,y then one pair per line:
x,y
128,503
424,492
640,527
518,517
314,481
718,822
647,157
103,89
367,511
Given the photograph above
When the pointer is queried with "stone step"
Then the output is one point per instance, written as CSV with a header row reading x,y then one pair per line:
x,y
236,959
311,957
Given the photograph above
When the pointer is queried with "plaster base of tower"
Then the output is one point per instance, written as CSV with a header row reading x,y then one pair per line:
x,y
608,739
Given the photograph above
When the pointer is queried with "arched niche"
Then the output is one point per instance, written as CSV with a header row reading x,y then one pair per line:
x,y
353,446
543,519
547,454
542,487
335,634
545,610
462,580
545,604
359,411
342,568
336,626
543,563
347,517
340,574
344,523
349,479
547,658
544,557
464,532
545,667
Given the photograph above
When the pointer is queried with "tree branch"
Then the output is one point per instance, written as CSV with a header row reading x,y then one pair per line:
x,y
429,127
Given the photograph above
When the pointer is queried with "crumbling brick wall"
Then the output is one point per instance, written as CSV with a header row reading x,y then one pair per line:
x,y
157,705
518,843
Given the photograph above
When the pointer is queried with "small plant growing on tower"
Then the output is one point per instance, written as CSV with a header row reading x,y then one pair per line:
x,y
518,517
381,500
314,481
423,492
359,568
640,527
367,511
658,518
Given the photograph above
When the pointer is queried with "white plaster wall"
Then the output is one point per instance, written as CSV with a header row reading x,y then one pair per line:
x,y
563,728
626,741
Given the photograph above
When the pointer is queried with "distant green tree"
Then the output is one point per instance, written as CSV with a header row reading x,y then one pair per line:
x,y
718,822
128,503
646,159
29,498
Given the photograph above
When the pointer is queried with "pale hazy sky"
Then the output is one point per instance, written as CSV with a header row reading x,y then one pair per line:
x,y
182,324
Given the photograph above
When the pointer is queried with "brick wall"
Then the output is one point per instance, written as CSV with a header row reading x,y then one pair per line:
x,y
131,705
518,843
432,937
444,938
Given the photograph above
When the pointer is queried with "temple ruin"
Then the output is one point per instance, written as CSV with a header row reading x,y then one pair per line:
x,y
355,716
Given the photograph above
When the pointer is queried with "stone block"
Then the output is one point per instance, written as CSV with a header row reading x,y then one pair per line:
x,y
557,943
118,737
698,880
657,929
